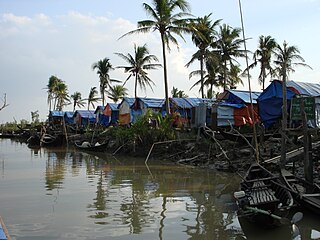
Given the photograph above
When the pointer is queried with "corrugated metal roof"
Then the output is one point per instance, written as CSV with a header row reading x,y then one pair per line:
x,y
245,95
152,102
304,88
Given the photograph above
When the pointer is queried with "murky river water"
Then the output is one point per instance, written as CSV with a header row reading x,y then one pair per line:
x,y
61,193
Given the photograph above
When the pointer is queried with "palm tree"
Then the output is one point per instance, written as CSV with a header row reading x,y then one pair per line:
x,y
166,21
203,34
263,55
92,98
117,92
287,57
228,46
62,96
235,76
51,86
176,93
138,64
103,68
77,100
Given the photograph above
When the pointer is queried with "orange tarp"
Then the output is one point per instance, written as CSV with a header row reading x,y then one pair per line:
x,y
242,116
124,118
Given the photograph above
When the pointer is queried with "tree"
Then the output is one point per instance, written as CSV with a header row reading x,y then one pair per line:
x,y
165,21
176,93
92,98
138,64
287,57
262,56
228,46
117,92
235,76
62,97
52,87
77,100
5,104
203,34
103,68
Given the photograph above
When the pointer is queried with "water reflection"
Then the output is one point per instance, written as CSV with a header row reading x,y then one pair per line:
x,y
91,196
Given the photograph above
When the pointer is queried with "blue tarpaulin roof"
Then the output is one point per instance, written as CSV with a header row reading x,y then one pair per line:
x,y
152,102
68,114
240,96
181,103
130,101
56,113
270,103
113,106
308,89
99,108
85,113
196,101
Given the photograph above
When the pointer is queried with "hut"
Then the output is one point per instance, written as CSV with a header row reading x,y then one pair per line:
x,y
239,103
101,119
111,112
68,117
55,118
141,105
125,114
84,117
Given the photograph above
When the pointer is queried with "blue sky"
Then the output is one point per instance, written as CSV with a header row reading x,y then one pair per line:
x,y
40,38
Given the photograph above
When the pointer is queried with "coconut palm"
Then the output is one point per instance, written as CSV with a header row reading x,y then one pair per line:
x,y
235,76
92,98
117,92
228,46
103,68
51,88
77,100
203,34
138,64
262,56
166,21
176,93
287,57
62,96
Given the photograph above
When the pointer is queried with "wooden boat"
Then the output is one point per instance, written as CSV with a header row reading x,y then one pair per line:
x,y
306,194
52,140
4,234
262,198
97,147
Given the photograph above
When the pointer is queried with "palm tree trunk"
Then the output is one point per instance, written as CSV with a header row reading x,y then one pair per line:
x,y
284,118
201,69
165,74
225,75
135,86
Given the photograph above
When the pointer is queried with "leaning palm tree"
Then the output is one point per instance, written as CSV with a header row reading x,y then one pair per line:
x,y
62,96
228,46
203,34
286,58
51,88
103,68
166,21
77,100
138,64
117,92
262,56
92,98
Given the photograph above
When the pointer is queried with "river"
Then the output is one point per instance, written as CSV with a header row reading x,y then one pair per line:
x,y
63,193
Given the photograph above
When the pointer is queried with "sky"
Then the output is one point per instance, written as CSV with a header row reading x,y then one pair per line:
x,y
41,38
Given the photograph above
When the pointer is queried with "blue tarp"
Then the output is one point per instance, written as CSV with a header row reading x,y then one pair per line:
x,y
308,89
130,101
240,96
56,114
270,103
114,106
68,117
152,102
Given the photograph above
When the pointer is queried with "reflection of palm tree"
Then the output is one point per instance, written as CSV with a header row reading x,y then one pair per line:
x,y
166,21
138,64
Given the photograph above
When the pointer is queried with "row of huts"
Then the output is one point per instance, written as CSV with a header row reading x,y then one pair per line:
x,y
232,107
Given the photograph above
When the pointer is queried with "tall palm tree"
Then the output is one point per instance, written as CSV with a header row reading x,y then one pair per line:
x,y
138,64
92,98
228,46
77,100
103,68
62,96
262,56
166,21
235,76
51,88
287,57
203,34
117,92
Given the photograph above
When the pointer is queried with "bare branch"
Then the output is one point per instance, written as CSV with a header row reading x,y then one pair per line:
x,y
4,102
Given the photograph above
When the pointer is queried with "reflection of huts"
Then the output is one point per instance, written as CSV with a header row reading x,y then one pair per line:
x,y
141,105
111,112
84,117
68,117
125,116
270,101
235,108
100,117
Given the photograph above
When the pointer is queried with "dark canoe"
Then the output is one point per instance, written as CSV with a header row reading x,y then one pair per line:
x,y
86,146
264,200
4,234
52,140
307,195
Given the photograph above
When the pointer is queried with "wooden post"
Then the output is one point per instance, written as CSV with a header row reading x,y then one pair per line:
x,y
307,146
